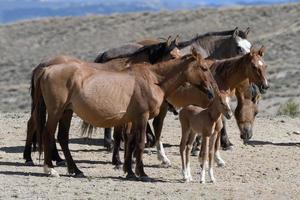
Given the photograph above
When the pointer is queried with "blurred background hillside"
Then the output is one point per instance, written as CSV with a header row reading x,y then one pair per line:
x,y
13,10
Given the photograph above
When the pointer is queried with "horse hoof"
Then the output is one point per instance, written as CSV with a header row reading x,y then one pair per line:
x,y
228,148
29,163
195,153
166,164
221,164
61,163
131,177
118,167
145,178
79,175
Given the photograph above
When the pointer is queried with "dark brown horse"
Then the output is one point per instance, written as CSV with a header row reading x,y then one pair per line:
x,y
132,95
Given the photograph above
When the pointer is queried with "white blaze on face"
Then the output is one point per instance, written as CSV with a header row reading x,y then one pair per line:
x,y
227,101
244,44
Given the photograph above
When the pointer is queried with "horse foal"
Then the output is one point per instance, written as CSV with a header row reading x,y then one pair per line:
x,y
207,123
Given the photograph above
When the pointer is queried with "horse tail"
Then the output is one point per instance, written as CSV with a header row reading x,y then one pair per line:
x,y
38,105
87,129
33,105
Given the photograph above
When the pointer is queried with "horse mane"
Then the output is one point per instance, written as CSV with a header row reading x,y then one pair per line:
x,y
154,51
183,44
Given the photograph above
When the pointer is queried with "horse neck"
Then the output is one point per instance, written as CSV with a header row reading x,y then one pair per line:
x,y
171,74
230,73
211,44
213,111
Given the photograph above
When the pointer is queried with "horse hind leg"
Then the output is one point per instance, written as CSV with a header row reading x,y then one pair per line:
x,y
48,141
118,131
63,139
31,132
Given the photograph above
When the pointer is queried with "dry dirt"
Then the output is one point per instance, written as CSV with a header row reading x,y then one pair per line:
x,y
266,169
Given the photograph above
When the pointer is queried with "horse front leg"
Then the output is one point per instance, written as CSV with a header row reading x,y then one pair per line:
x,y
225,143
157,125
140,132
118,131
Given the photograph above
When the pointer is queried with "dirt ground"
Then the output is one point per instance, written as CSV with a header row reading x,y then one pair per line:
x,y
268,168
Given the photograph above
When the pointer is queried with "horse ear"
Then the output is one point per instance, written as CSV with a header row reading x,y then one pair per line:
x,y
177,40
247,31
196,55
235,32
261,51
169,41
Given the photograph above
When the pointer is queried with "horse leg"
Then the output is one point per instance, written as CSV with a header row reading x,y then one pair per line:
x,y
140,132
62,127
31,132
55,154
184,138
196,146
118,131
189,145
212,143
108,143
225,143
220,162
157,125
63,139
129,138
204,158
150,137
48,141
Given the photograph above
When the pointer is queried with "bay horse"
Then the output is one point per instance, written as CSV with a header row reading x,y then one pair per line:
x,y
207,123
106,98
146,53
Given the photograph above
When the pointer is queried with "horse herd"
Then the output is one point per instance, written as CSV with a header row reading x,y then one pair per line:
x,y
128,85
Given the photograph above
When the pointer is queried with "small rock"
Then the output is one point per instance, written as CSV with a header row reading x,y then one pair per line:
x,y
277,168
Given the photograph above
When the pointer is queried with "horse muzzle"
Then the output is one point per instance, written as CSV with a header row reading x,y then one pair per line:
x,y
246,134
228,115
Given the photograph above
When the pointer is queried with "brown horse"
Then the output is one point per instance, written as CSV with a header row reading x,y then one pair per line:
x,y
106,98
247,108
207,123
147,53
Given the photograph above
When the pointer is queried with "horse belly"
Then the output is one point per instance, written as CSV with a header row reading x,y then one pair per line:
x,y
104,102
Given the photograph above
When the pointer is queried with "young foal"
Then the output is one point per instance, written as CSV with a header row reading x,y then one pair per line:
x,y
207,123
106,98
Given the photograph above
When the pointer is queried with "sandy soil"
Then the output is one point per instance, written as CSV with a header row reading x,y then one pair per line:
x,y
23,45
266,169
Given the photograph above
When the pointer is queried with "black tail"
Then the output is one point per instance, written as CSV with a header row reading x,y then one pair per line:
x,y
38,105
